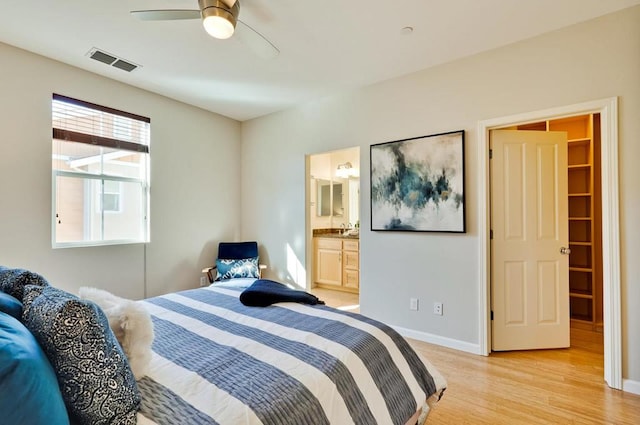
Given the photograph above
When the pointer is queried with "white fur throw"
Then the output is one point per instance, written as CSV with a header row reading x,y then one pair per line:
x,y
131,324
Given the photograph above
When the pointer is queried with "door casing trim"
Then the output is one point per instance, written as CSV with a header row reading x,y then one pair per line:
x,y
608,110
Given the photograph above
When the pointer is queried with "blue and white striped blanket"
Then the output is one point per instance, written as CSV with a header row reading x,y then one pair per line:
x,y
217,361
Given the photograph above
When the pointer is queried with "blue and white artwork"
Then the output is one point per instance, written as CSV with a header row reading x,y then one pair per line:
x,y
418,184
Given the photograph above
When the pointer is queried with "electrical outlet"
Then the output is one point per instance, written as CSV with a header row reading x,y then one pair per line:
x,y
413,304
437,308
203,281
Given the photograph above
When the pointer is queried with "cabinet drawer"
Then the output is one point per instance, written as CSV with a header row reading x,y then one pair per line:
x,y
328,243
350,260
350,279
350,245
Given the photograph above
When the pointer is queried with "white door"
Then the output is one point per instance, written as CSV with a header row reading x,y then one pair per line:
x,y
529,223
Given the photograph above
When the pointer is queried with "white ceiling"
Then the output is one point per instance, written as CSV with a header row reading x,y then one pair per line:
x,y
326,46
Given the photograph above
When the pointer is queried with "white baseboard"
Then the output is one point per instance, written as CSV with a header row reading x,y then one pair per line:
x,y
439,340
631,386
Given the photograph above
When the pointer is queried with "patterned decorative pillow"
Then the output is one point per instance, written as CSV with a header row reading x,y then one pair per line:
x,y
95,379
131,325
13,281
233,269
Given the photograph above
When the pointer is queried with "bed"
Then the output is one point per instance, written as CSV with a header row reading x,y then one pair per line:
x,y
65,360
217,361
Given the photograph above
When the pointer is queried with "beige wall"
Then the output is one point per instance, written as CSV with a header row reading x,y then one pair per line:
x,y
593,60
194,182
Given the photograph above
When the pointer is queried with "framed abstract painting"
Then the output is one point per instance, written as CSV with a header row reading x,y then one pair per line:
x,y
417,184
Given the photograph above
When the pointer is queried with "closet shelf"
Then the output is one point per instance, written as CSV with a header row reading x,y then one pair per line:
x,y
579,166
581,295
580,243
585,140
580,269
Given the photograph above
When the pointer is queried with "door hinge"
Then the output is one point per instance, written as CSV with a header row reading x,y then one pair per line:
x,y
491,234
490,153
491,314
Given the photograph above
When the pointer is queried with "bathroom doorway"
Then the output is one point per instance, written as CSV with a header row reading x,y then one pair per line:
x,y
333,221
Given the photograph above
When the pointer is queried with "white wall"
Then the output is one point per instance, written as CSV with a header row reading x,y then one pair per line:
x,y
194,182
594,60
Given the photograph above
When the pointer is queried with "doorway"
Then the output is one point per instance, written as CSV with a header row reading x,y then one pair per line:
x,y
607,109
584,216
333,222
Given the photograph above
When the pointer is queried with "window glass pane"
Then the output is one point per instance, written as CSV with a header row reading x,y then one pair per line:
x,y
84,158
111,202
70,199
124,163
85,214
111,186
71,156
126,221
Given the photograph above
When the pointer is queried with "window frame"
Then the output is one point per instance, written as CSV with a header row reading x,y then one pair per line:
x,y
144,182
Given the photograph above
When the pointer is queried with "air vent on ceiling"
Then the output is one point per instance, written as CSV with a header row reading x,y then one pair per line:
x,y
125,66
109,59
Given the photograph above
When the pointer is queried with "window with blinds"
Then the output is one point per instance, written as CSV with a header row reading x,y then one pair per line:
x,y
100,168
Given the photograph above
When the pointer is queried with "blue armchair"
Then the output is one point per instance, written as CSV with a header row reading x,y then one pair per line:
x,y
235,259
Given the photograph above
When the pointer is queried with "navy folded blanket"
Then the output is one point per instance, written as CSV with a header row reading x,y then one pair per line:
x,y
264,292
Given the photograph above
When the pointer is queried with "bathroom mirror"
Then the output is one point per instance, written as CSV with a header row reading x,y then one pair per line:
x,y
353,197
329,202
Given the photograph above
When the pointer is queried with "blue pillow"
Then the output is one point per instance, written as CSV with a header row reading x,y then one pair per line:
x,y
233,269
10,305
94,376
13,281
30,394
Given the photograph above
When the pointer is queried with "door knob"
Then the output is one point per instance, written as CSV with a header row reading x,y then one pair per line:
x,y
565,251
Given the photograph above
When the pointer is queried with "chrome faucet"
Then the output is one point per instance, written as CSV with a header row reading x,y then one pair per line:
x,y
342,229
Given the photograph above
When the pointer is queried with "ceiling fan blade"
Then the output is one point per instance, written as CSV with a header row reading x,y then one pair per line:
x,y
256,41
166,15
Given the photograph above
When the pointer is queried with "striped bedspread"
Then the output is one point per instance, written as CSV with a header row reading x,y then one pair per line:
x,y
217,361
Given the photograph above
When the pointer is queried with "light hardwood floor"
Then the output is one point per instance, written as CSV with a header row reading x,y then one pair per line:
x,y
338,299
523,387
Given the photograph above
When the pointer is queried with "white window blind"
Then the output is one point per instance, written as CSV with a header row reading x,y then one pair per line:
x,y
100,162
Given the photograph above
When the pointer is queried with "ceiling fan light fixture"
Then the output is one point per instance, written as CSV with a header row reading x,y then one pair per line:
x,y
218,27
218,19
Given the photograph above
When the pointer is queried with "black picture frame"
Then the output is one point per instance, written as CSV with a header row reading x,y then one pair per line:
x,y
417,184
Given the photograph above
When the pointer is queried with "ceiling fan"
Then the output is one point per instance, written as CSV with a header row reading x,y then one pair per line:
x,y
219,18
